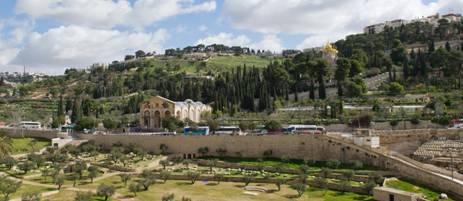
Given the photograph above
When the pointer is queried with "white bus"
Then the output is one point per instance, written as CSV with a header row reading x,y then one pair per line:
x,y
30,125
305,129
228,130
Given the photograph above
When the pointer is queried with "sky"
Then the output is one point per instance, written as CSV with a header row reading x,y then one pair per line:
x,y
51,35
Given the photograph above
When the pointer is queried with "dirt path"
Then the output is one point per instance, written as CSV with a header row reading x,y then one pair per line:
x,y
42,195
117,196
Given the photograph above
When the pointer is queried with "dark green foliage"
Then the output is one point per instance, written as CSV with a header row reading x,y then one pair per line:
x,y
85,123
8,187
394,122
300,188
363,120
105,191
395,89
193,176
110,124
273,125
30,197
83,196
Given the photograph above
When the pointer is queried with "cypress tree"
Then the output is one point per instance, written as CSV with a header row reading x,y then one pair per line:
x,y
405,69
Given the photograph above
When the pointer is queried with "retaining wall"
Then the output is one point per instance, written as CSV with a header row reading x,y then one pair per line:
x,y
308,147
34,133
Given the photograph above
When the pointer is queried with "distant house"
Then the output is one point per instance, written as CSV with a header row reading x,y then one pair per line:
x,y
290,53
364,137
432,19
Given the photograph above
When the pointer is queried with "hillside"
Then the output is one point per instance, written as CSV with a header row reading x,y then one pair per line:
x,y
377,71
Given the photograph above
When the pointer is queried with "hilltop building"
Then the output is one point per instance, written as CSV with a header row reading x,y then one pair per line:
x,y
433,20
157,108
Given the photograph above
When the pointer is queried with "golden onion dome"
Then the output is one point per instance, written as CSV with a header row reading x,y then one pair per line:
x,y
330,49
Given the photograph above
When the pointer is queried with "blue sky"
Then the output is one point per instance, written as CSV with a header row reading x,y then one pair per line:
x,y
51,35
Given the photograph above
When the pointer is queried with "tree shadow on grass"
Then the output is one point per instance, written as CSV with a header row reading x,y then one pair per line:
x,y
291,196
240,185
271,191
212,184
183,183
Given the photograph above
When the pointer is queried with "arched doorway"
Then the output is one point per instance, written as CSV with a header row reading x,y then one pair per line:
x,y
157,119
167,114
146,119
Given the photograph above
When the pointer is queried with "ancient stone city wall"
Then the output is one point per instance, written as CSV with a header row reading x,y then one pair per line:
x,y
34,133
309,147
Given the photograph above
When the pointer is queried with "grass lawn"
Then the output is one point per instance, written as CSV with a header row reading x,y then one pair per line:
x,y
225,191
23,145
294,164
234,61
67,195
30,189
406,186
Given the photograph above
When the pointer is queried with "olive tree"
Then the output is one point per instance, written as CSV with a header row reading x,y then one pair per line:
x,y
8,187
105,191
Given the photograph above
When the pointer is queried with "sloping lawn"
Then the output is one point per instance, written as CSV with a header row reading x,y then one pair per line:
x,y
406,186
24,145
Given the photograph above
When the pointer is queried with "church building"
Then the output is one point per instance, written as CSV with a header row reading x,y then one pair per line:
x,y
157,108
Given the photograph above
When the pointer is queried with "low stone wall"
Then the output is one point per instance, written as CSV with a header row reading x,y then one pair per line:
x,y
33,133
395,136
329,185
385,126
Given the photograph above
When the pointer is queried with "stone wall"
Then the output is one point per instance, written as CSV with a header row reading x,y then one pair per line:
x,y
385,126
394,136
34,133
309,147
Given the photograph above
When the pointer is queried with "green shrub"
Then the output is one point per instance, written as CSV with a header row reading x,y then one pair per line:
x,y
394,122
415,121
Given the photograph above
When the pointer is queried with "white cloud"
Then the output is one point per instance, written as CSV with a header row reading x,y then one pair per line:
x,y
318,40
225,38
77,46
269,42
326,19
11,40
109,13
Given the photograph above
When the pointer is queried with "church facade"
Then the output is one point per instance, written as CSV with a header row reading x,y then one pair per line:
x,y
157,108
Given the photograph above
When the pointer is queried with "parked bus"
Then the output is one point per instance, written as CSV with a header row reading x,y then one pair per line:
x,y
30,125
456,123
229,130
201,130
304,129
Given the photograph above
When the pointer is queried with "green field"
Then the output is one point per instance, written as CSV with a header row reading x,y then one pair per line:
x,y
215,64
23,145
276,162
234,61
406,186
